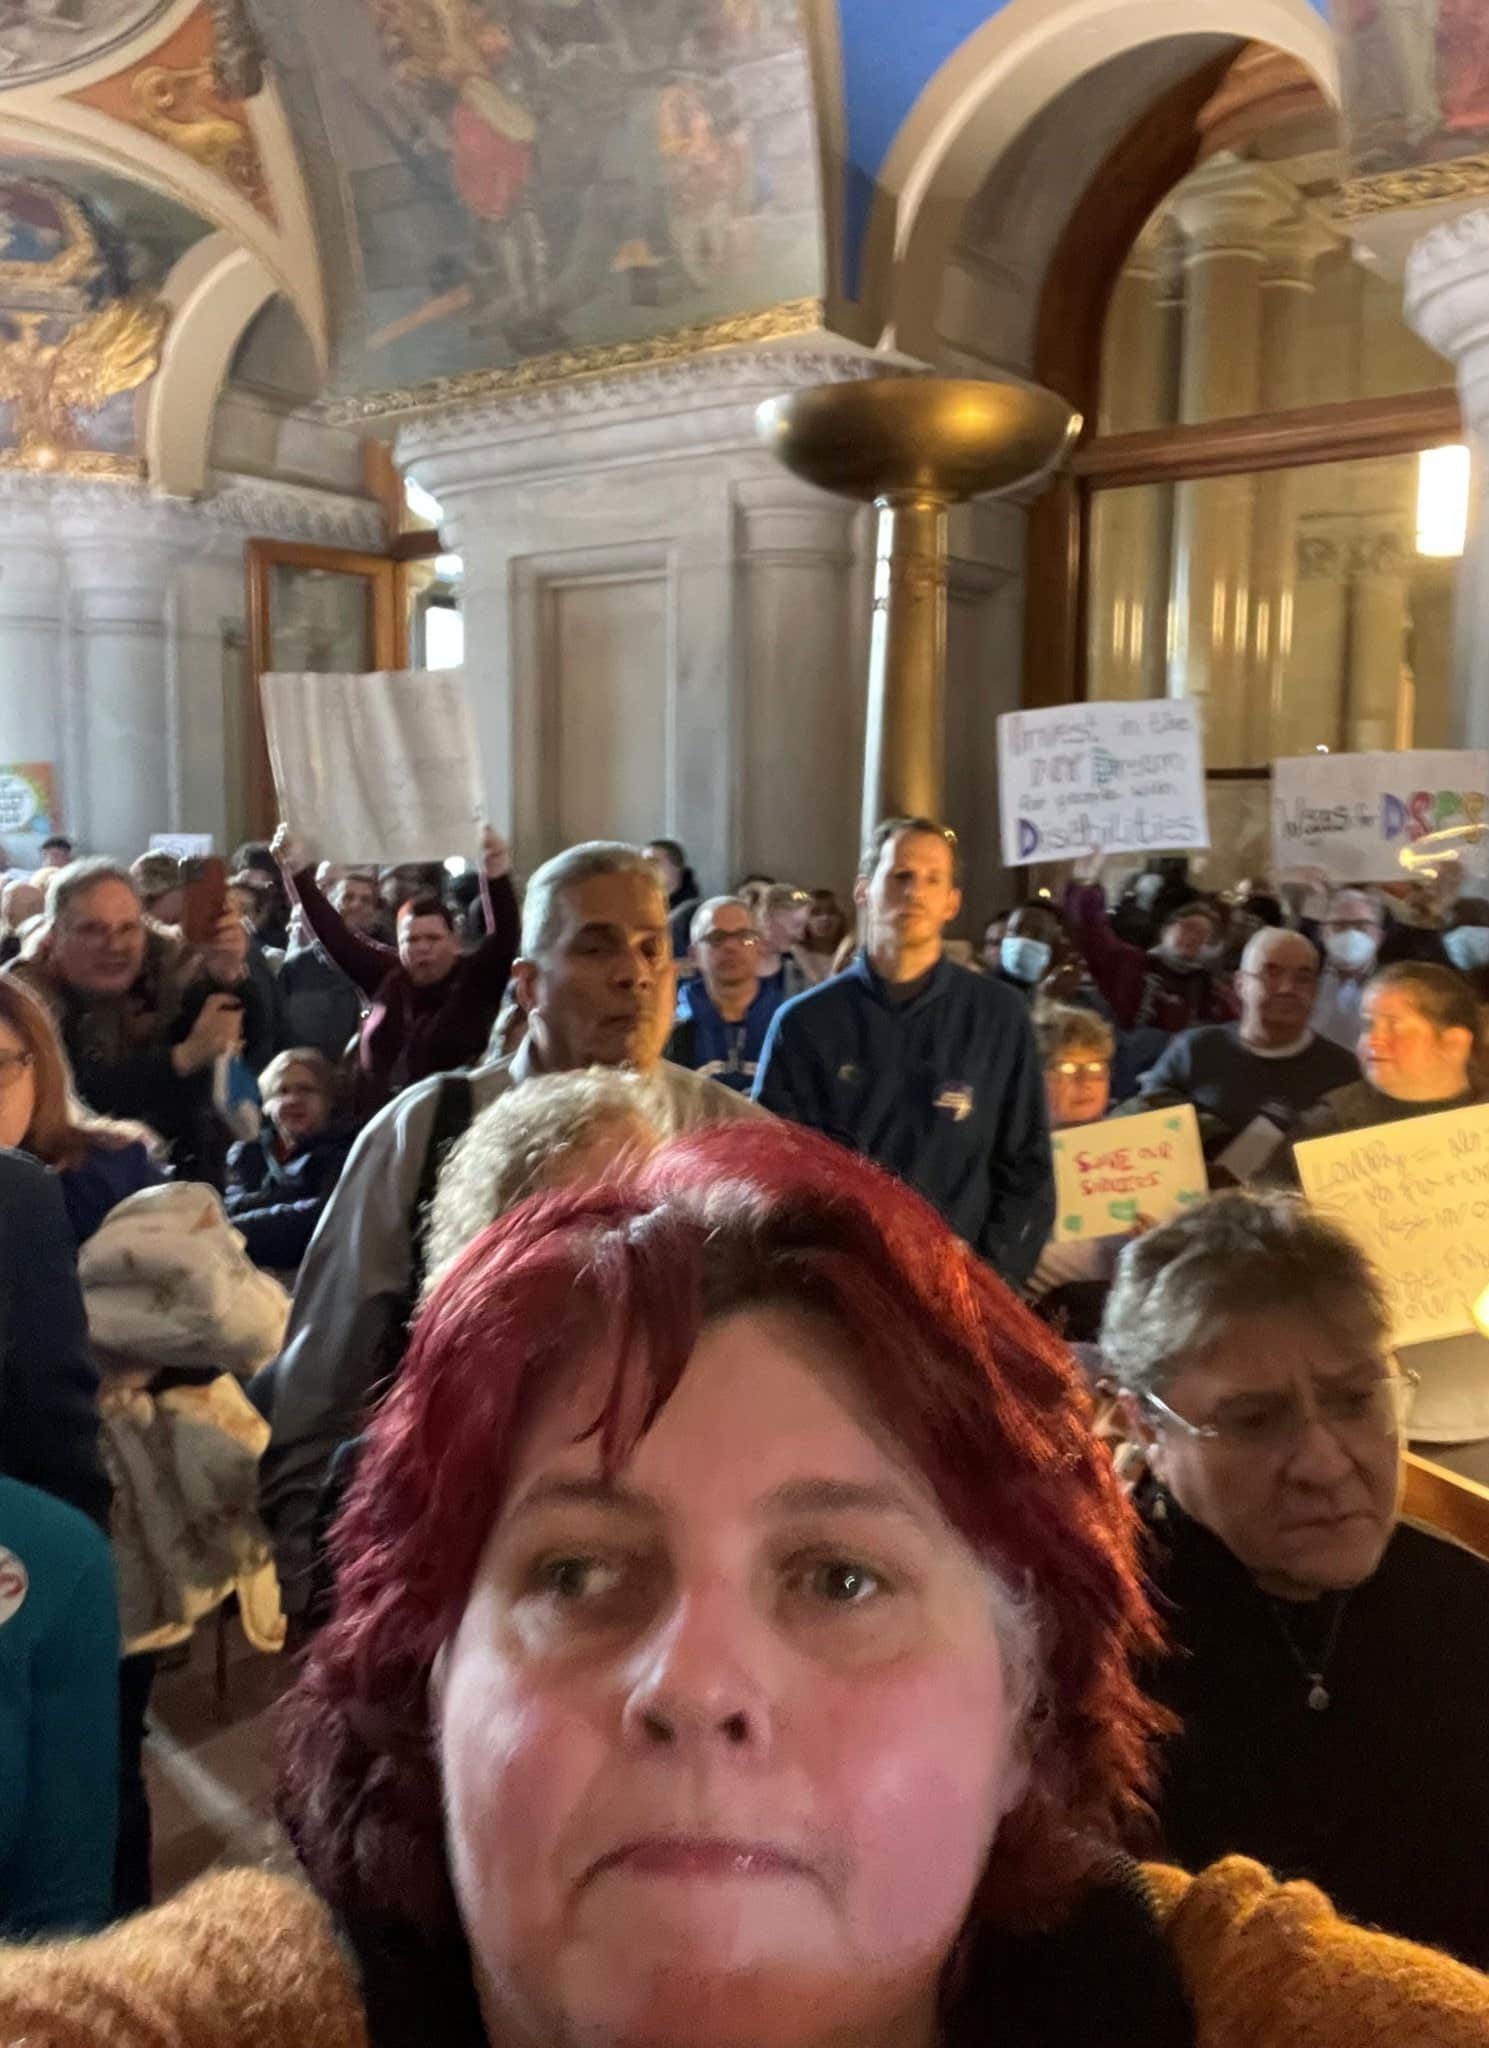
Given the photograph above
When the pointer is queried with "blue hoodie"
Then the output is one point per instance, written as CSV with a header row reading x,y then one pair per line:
x,y
945,1090
727,1053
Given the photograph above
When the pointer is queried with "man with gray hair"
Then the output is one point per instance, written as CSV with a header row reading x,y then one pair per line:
x,y
724,1013
1251,1082
596,981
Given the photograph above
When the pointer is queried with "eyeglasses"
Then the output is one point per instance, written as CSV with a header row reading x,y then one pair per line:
x,y
12,1066
748,939
1081,1070
1284,977
1275,1423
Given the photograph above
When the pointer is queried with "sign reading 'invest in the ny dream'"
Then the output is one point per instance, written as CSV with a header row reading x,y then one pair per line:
x,y
1102,778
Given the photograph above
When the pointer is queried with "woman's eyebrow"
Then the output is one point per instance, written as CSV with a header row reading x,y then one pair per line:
x,y
842,1497
592,1493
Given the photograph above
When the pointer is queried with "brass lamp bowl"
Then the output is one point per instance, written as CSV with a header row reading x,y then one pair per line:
x,y
950,438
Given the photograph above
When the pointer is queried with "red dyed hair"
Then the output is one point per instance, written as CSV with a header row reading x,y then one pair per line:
x,y
976,1392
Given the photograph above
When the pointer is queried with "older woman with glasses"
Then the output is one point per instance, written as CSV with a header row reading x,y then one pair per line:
x,y
1329,1665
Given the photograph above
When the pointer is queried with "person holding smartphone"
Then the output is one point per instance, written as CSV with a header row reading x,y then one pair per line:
x,y
145,1012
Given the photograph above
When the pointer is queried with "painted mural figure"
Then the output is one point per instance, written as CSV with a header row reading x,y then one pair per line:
x,y
587,141
39,37
1416,80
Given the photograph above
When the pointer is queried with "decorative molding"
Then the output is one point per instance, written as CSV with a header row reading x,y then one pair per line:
x,y
1446,300
240,507
793,317
729,378
1466,177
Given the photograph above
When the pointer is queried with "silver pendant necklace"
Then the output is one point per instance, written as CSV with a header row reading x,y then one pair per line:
x,y
1320,1699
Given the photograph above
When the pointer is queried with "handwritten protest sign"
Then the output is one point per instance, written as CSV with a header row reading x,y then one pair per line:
x,y
1101,778
1108,1175
184,845
1415,1196
376,768
1352,814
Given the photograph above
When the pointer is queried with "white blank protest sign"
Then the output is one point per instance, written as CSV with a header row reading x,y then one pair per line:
x,y
1102,778
378,767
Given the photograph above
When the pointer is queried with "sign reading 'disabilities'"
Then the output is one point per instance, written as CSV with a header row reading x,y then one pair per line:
x,y
1101,778
1109,1177
1352,815
1415,1196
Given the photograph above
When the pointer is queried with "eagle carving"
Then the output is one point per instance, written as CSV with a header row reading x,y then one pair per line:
x,y
51,382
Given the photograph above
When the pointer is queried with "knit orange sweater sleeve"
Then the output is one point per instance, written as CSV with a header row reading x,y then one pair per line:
x,y
243,1958
1274,1963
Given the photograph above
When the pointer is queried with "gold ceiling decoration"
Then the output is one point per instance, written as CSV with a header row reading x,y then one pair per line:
x,y
774,323
49,383
1464,177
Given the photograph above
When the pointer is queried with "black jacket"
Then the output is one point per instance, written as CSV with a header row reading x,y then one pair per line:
x,y
277,1203
1382,1799
48,1381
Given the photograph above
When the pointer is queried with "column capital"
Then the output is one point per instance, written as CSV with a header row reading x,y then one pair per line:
x,y
1227,208
1447,303
1295,248
788,521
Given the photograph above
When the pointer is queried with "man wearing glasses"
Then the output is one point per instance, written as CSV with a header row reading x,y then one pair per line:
x,y
1327,1664
724,1012
1251,1082
143,1016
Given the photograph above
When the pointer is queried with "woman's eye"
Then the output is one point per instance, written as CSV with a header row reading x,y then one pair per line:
x,y
573,1579
840,1583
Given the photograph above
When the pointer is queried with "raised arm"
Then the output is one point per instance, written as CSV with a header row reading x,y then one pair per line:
x,y
491,963
363,961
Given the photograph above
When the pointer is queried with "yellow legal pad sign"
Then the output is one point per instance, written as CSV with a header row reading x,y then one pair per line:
x,y
1415,1196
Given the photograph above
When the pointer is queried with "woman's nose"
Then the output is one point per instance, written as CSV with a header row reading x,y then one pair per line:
x,y
702,1684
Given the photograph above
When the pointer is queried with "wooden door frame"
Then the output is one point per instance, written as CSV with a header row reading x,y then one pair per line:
x,y
388,579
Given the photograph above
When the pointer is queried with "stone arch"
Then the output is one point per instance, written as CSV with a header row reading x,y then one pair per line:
x,y
1001,79
215,292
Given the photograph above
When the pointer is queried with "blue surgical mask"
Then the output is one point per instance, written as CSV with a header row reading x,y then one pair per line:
x,y
1468,947
1025,960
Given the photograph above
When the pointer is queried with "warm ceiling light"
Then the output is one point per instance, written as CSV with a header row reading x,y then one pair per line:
x,y
1443,480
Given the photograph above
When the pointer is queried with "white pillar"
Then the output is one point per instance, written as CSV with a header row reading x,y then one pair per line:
x,y
34,721
121,597
1447,302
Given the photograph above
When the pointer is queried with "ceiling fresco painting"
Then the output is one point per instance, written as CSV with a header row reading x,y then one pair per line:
x,y
82,257
526,177
1416,82
42,38
176,95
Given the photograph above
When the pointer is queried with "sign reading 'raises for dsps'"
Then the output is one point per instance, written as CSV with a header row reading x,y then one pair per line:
x,y
1415,1196
1101,778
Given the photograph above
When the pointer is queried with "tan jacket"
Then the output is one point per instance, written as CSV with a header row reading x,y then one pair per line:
x,y
249,1961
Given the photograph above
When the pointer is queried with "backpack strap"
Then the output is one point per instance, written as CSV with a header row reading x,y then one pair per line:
x,y
453,1110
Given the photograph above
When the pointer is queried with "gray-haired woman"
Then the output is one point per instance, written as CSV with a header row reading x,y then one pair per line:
x,y
1329,1665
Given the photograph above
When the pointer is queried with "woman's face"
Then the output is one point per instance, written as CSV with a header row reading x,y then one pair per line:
x,y
1305,1502
298,1108
1078,1086
824,924
1406,1055
17,1089
725,1742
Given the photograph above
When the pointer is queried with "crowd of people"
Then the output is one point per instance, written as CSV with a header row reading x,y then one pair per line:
x,y
618,1340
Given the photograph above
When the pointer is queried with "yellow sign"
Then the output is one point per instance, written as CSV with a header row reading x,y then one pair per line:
x,y
1415,1196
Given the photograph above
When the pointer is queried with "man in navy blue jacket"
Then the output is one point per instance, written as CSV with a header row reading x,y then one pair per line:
x,y
724,1012
922,1065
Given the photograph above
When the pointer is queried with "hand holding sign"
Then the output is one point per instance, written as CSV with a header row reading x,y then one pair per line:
x,y
1127,1172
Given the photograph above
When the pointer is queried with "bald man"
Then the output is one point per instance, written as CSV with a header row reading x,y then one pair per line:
x,y
1252,1081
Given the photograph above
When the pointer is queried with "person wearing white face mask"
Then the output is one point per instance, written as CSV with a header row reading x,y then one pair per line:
x,y
1466,943
1351,936
1035,952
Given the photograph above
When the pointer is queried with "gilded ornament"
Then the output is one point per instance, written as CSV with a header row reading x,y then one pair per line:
x,y
1464,177
50,382
181,107
792,317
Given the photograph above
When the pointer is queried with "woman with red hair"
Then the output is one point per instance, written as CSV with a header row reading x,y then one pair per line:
x,y
733,1651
